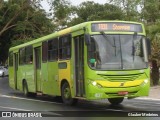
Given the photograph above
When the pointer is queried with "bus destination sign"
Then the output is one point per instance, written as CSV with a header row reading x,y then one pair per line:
x,y
97,27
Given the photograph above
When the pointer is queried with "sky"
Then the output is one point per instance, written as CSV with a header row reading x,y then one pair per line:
x,y
74,2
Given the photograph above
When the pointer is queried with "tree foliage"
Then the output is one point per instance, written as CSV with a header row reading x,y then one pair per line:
x,y
20,21
61,12
151,11
94,11
65,14
130,8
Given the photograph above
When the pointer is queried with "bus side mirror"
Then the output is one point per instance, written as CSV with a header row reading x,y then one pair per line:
x,y
148,41
87,39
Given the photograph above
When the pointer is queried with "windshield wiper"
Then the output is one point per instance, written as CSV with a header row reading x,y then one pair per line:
x,y
133,48
106,37
115,45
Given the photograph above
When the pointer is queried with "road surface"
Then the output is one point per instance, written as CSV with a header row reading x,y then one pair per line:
x,y
19,106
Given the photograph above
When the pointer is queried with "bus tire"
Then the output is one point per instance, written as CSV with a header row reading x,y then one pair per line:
x,y
115,101
66,95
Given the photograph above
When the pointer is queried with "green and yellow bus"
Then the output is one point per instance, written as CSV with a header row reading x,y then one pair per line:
x,y
91,60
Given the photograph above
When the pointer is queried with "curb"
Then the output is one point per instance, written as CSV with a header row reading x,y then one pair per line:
x,y
148,98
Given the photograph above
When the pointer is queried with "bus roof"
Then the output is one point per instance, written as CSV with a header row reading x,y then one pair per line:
x,y
65,31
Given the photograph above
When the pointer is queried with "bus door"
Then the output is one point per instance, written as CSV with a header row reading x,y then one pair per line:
x,y
79,65
15,69
37,51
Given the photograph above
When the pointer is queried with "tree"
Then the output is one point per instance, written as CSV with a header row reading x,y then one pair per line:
x,y
61,12
153,32
130,8
21,20
9,13
90,11
151,10
151,16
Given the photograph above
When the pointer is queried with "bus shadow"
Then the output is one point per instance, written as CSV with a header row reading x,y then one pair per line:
x,y
97,105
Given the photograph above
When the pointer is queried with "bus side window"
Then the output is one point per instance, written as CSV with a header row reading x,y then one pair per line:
x,y
94,54
53,49
45,51
22,57
29,55
65,47
31,59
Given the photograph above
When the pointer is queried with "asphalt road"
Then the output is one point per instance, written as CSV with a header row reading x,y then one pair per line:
x,y
15,102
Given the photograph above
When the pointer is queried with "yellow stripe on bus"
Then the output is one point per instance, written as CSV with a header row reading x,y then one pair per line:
x,y
65,31
120,84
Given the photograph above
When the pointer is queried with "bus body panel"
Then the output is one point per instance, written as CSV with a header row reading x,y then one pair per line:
x,y
64,73
26,72
11,77
50,85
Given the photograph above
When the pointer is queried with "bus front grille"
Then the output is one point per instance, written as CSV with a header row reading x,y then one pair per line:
x,y
121,78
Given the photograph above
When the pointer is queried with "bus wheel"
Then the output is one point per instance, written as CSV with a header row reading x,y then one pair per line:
x,y
115,101
66,95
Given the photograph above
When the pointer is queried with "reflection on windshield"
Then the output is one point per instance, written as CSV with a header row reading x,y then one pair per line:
x,y
116,52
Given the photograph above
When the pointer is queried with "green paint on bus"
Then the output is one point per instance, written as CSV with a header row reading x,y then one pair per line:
x,y
92,60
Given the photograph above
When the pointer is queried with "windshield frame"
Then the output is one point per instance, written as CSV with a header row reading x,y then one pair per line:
x,y
94,68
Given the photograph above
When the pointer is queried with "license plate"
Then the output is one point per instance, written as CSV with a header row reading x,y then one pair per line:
x,y
122,92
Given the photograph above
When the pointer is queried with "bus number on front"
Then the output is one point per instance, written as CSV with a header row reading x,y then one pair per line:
x,y
102,26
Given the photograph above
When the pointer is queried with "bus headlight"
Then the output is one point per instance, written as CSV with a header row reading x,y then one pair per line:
x,y
144,82
94,83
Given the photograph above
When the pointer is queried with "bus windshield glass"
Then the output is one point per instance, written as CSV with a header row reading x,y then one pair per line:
x,y
116,52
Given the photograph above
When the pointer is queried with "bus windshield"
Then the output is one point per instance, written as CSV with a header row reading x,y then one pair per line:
x,y
116,52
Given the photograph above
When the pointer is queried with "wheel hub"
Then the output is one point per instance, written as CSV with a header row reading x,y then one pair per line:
x,y
67,93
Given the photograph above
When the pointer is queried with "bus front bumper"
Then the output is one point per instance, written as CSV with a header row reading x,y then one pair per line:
x,y
118,89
